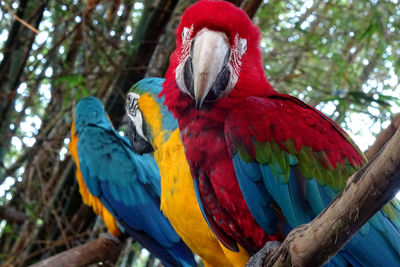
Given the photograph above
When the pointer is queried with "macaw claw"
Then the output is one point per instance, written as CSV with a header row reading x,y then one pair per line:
x,y
257,260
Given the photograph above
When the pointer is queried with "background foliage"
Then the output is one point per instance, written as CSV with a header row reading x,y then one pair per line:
x,y
341,56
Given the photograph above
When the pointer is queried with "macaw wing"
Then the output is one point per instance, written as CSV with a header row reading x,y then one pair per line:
x,y
392,212
285,150
87,197
294,152
126,183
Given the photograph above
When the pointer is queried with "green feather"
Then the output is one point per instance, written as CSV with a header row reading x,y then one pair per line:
x,y
392,211
263,152
244,154
313,165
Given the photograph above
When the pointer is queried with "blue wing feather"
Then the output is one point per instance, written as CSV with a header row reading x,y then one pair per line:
x,y
375,244
302,196
259,201
128,185
292,206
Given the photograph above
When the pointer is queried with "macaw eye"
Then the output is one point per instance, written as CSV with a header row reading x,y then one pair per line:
x,y
132,103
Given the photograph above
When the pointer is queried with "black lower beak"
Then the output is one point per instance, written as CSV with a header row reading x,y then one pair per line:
x,y
139,144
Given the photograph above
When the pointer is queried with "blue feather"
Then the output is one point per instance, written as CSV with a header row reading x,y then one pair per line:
x,y
376,244
127,184
298,178
257,198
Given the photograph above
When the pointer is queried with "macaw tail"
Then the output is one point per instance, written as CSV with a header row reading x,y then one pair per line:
x,y
157,234
377,243
177,255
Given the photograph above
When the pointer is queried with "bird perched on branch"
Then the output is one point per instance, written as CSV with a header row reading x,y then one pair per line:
x,y
152,127
121,184
262,162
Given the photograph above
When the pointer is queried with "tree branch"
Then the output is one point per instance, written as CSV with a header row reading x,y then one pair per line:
x,y
23,22
366,192
105,249
12,215
383,137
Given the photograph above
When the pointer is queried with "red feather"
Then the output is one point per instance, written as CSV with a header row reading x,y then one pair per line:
x,y
203,130
297,121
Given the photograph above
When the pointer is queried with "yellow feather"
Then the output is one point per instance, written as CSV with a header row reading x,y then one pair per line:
x,y
87,197
178,199
179,204
152,114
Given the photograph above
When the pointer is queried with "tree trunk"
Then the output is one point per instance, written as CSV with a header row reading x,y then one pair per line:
x,y
16,52
151,26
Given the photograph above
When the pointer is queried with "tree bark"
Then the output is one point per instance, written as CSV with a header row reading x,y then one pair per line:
x,y
104,250
250,7
366,192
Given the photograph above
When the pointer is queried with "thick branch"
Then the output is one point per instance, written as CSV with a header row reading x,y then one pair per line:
x,y
383,137
367,191
250,7
12,215
104,249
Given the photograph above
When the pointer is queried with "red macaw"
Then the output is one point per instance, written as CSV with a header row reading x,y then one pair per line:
x,y
262,162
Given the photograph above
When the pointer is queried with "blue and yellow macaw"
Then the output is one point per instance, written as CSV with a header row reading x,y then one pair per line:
x,y
153,127
122,186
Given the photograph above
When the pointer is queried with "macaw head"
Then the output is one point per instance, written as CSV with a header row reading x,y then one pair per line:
x,y
90,111
150,123
217,55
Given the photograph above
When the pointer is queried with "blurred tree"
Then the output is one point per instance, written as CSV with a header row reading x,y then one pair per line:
x,y
338,53
341,56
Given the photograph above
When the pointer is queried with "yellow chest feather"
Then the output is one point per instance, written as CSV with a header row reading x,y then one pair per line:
x,y
179,204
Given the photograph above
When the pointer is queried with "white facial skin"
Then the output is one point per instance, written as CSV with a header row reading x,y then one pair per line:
x,y
134,113
209,49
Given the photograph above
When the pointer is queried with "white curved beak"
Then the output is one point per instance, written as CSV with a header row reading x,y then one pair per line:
x,y
209,51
